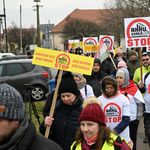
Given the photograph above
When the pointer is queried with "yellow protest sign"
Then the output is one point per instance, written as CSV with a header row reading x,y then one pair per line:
x,y
73,44
91,48
63,61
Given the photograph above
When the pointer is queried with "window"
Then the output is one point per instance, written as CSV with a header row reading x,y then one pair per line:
x,y
14,69
1,70
29,67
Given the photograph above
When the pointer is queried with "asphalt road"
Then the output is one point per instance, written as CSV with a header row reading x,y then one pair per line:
x,y
140,137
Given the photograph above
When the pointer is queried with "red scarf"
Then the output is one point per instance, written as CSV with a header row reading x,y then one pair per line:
x,y
130,89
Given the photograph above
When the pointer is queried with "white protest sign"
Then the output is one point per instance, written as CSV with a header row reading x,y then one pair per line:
x,y
137,32
108,40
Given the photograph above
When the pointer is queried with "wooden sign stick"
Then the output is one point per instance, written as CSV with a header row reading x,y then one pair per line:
x,y
54,102
141,63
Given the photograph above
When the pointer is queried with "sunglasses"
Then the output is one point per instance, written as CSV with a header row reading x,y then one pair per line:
x,y
145,59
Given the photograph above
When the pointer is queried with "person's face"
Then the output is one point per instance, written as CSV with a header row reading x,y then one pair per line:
x,y
7,129
145,60
68,98
120,80
132,57
96,67
119,54
109,89
76,78
89,128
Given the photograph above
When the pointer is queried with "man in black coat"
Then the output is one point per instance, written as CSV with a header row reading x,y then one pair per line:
x,y
96,77
17,132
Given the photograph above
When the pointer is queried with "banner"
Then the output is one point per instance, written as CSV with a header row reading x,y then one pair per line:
x,y
63,61
90,44
108,40
137,32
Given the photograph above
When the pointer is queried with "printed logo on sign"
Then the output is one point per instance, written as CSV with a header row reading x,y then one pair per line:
x,y
107,42
112,112
139,30
90,42
62,61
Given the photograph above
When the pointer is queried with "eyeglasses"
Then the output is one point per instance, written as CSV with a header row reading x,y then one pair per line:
x,y
145,59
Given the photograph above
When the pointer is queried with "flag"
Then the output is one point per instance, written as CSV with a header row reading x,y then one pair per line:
x,y
133,90
115,51
102,52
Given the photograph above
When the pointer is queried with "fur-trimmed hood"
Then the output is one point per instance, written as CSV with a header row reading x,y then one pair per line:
x,y
109,80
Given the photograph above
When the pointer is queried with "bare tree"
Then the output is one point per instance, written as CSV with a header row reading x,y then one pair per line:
x,y
78,28
14,35
112,21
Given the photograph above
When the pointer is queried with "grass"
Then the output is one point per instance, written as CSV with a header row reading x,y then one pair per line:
x,y
39,107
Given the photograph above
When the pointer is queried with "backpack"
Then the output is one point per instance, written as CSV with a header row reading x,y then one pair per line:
x,y
117,144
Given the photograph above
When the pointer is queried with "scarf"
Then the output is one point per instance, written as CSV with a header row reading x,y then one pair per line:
x,y
130,89
15,139
81,84
92,140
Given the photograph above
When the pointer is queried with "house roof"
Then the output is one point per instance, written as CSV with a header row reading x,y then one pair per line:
x,y
84,14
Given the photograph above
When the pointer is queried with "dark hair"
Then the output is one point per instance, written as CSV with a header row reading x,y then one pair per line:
x,y
28,53
104,134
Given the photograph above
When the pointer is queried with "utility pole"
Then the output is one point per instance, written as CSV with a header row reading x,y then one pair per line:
x,y
38,22
20,29
0,34
4,15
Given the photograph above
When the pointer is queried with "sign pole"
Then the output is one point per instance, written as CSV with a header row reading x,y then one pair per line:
x,y
54,102
141,64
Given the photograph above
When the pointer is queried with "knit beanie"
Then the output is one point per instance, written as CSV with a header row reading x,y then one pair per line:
x,y
11,103
132,52
122,64
120,73
78,74
119,51
68,85
92,111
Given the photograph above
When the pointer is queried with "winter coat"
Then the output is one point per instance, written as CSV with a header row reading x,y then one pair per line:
x,y
137,73
94,81
65,123
107,66
132,65
30,140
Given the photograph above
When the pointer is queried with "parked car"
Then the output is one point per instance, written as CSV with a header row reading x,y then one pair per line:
x,y
6,55
21,71
13,57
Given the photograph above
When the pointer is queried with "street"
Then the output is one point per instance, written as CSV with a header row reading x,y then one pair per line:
x,y
140,137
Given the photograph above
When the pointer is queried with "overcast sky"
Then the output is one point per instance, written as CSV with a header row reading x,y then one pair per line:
x,y
52,10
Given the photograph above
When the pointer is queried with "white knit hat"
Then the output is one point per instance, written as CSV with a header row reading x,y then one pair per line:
x,y
120,73
78,74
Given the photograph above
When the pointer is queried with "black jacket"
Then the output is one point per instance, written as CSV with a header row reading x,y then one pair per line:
x,y
94,81
33,141
65,123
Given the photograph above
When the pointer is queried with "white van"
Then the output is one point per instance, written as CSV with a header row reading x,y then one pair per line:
x,y
6,55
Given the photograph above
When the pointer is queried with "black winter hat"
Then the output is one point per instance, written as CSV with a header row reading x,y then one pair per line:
x,y
68,85
11,103
96,60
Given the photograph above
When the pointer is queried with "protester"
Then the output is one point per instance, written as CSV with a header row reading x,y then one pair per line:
x,y
134,62
122,64
108,66
29,56
130,89
119,56
116,108
17,132
137,78
95,78
64,124
85,89
145,85
93,133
